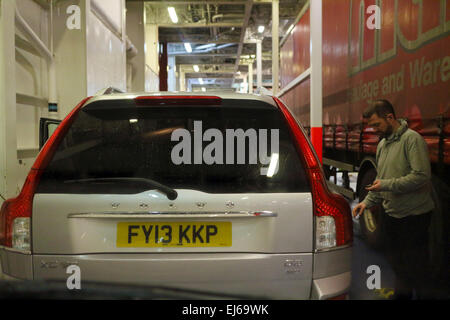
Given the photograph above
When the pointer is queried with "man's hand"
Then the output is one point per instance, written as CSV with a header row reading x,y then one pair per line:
x,y
359,209
375,186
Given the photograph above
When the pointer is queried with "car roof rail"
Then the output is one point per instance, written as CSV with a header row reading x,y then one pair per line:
x,y
108,90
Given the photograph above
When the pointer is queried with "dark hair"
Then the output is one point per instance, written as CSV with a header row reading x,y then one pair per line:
x,y
381,108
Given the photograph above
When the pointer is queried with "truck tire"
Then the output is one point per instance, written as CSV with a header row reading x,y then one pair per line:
x,y
372,221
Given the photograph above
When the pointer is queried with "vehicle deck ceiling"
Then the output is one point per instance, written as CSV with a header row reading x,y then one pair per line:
x,y
225,24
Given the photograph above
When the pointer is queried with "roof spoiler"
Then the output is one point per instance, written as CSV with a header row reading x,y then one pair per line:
x,y
108,90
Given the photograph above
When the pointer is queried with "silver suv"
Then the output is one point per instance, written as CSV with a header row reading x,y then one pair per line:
x,y
218,193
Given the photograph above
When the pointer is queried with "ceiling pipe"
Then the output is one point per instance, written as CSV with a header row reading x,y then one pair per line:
x,y
32,37
234,16
46,54
203,51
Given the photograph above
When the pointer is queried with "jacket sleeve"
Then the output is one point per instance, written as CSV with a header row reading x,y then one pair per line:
x,y
420,174
372,199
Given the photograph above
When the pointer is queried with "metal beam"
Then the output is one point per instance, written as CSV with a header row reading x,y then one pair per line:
x,y
8,138
186,65
206,75
32,37
23,44
275,40
31,100
248,10
43,3
173,3
316,76
201,25
206,72
196,41
250,78
259,64
233,55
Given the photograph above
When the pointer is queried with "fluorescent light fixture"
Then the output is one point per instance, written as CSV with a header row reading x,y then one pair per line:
x,y
196,68
188,47
203,89
173,14
205,46
273,165
133,120
261,29
200,80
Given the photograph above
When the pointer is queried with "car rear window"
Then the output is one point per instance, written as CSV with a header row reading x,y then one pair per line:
x,y
117,139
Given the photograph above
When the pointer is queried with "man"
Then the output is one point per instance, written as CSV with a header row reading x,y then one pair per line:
x,y
403,186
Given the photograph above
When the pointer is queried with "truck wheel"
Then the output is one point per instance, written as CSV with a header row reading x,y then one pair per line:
x,y
372,221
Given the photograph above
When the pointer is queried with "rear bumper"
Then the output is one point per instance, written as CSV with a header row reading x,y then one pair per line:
x,y
332,273
15,264
278,276
331,287
274,276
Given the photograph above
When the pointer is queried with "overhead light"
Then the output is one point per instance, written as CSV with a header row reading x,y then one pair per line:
x,y
261,29
196,68
203,89
200,80
205,46
133,120
188,47
173,14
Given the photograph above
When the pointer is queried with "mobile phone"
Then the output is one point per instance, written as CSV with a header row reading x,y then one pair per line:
x,y
369,185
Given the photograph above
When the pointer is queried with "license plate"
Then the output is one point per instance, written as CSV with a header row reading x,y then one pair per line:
x,y
174,234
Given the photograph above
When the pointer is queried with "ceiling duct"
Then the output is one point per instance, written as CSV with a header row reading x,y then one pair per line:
x,y
227,17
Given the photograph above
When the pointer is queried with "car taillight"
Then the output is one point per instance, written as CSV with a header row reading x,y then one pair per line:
x,y
332,213
15,214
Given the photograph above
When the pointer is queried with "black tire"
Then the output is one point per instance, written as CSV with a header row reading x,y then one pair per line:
x,y
372,221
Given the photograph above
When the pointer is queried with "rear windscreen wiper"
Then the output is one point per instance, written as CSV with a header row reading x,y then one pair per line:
x,y
171,193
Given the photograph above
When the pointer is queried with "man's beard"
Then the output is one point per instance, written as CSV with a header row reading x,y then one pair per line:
x,y
388,132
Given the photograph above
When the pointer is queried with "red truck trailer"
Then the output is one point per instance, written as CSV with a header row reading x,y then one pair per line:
x,y
406,61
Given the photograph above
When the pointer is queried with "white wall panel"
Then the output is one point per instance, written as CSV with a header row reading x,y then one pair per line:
x,y
8,159
151,80
112,9
27,127
31,78
106,57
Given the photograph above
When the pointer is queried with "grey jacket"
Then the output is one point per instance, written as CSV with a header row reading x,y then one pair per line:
x,y
403,167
